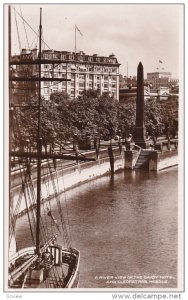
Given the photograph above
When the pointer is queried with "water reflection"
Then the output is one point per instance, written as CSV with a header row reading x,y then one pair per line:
x,y
124,226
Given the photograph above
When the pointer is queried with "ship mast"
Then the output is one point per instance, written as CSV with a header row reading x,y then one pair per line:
x,y
39,155
39,143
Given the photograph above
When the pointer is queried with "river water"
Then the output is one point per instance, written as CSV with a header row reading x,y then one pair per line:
x,y
125,227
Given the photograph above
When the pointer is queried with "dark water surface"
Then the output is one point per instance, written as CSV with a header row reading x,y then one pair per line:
x,y
125,228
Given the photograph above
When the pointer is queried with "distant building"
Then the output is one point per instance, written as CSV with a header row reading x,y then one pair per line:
x,y
162,93
125,81
159,79
84,71
122,81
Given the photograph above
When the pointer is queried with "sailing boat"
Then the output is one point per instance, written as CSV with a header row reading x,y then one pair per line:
x,y
47,263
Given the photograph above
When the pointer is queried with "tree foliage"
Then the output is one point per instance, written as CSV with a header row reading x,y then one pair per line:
x,y
91,115
126,118
153,117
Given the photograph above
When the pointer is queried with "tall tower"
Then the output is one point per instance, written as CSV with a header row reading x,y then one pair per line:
x,y
140,131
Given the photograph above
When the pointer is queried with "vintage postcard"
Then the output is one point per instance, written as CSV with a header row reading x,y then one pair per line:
x,y
94,101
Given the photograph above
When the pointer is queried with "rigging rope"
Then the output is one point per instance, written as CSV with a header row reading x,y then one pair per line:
x,y
17,32
66,236
30,224
14,216
30,27
66,206
24,28
35,38
30,206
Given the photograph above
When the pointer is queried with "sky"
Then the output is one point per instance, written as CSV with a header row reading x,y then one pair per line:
x,y
133,32
148,36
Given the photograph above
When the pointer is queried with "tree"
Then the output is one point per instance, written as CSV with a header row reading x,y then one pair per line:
x,y
106,121
169,116
55,127
153,117
126,117
82,112
60,117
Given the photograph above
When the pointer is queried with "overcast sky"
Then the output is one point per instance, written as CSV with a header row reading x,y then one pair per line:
x,y
134,33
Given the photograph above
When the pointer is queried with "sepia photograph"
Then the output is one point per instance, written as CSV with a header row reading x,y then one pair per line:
x,y
94,147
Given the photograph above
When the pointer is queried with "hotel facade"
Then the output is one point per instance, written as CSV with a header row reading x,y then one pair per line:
x,y
80,71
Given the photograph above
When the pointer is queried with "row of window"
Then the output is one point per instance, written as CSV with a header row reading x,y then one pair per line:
x,y
81,85
81,76
73,68
78,57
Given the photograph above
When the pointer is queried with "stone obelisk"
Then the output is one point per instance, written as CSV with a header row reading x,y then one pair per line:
x,y
140,131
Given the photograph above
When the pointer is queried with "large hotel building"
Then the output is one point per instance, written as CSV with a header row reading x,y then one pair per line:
x,y
82,71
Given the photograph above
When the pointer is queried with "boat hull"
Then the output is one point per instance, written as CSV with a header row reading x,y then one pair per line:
x,y
60,268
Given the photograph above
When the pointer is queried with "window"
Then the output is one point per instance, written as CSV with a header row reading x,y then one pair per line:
x,y
106,78
63,67
90,77
46,83
71,57
82,69
80,58
81,76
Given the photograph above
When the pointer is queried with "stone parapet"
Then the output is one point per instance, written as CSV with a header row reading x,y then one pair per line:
x,y
130,158
162,160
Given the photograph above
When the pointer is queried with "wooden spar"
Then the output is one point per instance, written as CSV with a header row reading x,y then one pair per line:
x,y
13,78
52,156
50,61
39,146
